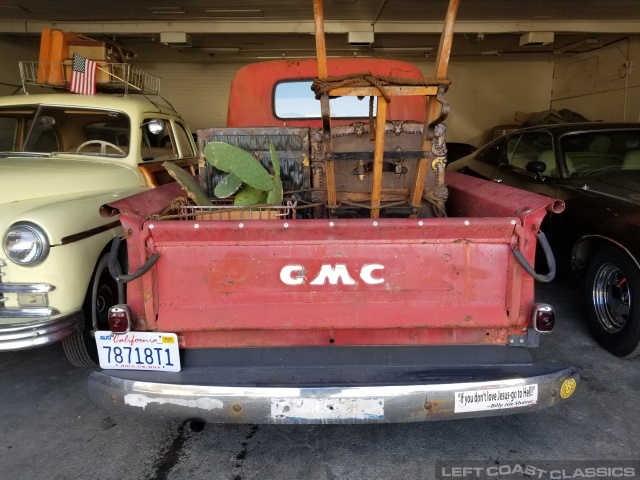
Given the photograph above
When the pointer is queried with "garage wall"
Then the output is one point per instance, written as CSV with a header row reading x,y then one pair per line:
x,y
199,91
485,94
482,94
597,85
10,54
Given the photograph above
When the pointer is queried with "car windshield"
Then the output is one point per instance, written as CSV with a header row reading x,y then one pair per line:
x,y
37,130
596,152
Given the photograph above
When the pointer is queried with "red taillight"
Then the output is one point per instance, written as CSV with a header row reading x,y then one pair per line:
x,y
544,318
119,319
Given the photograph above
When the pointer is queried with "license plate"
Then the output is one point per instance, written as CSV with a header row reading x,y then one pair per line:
x,y
139,351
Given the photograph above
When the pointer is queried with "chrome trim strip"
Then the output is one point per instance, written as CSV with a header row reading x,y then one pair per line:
x,y
19,336
76,237
27,312
250,404
26,287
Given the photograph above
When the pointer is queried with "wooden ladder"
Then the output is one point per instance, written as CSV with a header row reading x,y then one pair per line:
x,y
433,113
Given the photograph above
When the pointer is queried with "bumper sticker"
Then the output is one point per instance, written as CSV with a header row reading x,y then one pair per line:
x,y
496,398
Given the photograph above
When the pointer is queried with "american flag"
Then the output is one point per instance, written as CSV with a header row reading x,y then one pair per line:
x,y
83,76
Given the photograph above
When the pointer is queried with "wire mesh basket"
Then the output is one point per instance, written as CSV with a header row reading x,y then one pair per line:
x,y
224,210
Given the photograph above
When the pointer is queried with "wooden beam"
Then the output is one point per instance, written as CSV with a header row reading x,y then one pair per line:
x,y
391,91
321,55
378,157
433,107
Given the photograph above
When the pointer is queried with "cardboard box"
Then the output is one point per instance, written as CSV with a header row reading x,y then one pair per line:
x,y
249,214
99,51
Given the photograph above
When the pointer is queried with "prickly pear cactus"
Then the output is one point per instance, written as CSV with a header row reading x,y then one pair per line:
x,y
250,196
188,184
245,166
229,185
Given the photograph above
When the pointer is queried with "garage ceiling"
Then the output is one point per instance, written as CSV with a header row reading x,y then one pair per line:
x,y
232,30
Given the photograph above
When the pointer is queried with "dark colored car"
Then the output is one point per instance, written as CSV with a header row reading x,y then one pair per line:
x,y
456,151
595,169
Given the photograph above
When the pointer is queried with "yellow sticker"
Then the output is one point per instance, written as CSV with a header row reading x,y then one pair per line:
x,y
168,339
568,387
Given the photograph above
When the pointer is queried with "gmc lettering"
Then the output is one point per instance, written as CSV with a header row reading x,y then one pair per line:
x,y
295,275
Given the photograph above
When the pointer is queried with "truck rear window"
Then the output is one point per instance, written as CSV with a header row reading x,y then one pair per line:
x,y
296,100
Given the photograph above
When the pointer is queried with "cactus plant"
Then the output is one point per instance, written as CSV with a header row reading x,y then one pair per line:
x,y
228,186
242,167
234,160
188,184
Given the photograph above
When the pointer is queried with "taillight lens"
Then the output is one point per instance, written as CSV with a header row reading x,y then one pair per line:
x,y
119,319
544,318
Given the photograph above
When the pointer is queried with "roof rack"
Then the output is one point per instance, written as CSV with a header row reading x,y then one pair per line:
x,y
110,77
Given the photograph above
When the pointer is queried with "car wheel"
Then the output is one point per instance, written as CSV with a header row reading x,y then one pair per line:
x,y
613,302
104,292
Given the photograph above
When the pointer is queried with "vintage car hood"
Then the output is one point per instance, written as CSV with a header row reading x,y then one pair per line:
x,y
28,178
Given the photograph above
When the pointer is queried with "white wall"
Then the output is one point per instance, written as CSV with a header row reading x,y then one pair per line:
x,y
485,94
199,91
597,85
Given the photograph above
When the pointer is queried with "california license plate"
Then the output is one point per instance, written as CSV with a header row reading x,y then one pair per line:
x,y
139,351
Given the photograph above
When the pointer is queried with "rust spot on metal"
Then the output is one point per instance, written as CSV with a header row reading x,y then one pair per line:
x,y
237,407
468,318
428,405
113,399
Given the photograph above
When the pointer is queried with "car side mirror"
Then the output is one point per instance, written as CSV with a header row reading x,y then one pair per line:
x,y
536,166
154,126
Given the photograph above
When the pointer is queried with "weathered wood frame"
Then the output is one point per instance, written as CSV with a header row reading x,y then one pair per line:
x,y
433,114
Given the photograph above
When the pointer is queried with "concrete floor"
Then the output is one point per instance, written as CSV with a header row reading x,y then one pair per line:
x,y
51,430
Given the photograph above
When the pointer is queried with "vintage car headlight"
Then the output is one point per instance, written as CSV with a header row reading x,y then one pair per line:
x,y
26,244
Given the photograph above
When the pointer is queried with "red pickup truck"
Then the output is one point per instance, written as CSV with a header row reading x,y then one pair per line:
x,y
320,312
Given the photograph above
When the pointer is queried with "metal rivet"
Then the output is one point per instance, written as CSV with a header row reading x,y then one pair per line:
x,y
513,222
241,225
237,407
151,226
466,222
196,226
521,340
511,340
554,393
375,224
331,224
428,405
421,223
286,225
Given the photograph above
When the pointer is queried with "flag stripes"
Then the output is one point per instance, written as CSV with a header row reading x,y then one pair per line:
x,y
83,76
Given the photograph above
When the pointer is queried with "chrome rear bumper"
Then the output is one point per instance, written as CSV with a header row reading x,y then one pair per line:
x,y
36,333
369,392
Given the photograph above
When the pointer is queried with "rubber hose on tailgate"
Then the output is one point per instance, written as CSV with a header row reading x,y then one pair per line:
x,y
113,261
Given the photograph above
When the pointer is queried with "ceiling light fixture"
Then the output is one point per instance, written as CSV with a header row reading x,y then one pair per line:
x,y
536,39
175,39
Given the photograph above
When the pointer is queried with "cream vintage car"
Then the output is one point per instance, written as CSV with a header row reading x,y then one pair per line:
x,y
62,157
